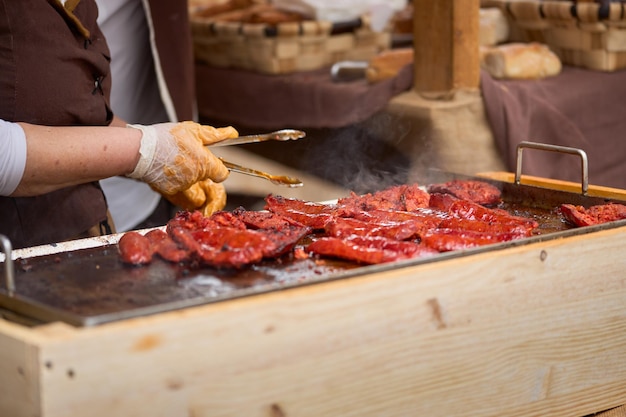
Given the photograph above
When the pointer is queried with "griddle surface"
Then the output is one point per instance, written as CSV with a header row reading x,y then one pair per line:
x,y
91,286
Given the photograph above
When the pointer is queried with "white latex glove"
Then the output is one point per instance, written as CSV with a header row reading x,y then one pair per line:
x,y
173,156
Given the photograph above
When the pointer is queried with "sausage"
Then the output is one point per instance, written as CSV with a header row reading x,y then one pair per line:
x,y
165,247
135,248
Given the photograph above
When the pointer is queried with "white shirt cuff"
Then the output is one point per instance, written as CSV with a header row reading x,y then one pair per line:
x,y
12,156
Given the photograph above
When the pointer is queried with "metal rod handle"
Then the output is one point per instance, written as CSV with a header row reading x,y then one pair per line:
x,y
9,272
584,165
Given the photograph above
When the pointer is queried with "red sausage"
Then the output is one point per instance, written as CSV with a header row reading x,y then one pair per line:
x,y
163,245
135,248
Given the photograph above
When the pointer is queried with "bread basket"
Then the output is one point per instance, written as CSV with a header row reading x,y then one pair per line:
x,y
583,34
283,47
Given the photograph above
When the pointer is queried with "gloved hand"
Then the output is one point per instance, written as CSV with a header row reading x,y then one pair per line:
x,y
173,156
205,196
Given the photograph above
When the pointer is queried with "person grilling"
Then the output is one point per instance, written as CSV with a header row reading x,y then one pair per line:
x,y
57,131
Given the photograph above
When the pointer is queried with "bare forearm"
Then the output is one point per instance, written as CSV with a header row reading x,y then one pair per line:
x,y
58,157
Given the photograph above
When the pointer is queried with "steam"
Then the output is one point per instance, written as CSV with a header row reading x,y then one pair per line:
x,y
381,152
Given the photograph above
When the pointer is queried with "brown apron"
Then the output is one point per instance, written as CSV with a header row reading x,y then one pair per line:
x,y
54,70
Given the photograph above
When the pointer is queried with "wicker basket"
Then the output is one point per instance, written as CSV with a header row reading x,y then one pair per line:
x,y
582,34
285,47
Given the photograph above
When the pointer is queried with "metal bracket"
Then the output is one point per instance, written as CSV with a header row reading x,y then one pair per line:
x,y
9,271
554,148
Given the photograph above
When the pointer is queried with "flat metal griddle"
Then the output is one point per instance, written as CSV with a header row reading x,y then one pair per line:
x,y
91,286
86,287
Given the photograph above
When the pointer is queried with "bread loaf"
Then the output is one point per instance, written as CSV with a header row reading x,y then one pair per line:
x,y
210,8
259,13
494,26
520,61
388,63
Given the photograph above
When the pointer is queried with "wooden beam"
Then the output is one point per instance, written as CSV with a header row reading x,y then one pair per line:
x,y
446,38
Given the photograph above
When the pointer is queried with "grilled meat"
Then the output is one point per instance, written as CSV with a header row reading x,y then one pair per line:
x,y
195,220
164,246
346,227
421,219
265,220
445,240
479,192
313,215
227,247
468,210
368,249
400,197
580,216
283,232
482,226
135,248
223,240
400,222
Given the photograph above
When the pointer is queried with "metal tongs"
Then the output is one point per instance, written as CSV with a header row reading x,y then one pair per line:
x,y
280,135
274,179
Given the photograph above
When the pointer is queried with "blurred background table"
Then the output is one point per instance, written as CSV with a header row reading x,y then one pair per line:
x,y
343,122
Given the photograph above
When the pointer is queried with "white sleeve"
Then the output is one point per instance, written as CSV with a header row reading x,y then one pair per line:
x,y
12,156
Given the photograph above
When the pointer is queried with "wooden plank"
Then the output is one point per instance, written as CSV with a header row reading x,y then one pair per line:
x,y
615,412
19,372
446,39
534,330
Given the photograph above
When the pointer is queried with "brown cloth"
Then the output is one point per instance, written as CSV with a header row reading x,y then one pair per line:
x,y
579,108
54,71
300,100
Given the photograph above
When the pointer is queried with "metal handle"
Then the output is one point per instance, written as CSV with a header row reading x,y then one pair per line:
x,y
9,272
279,135
348,70
554,148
